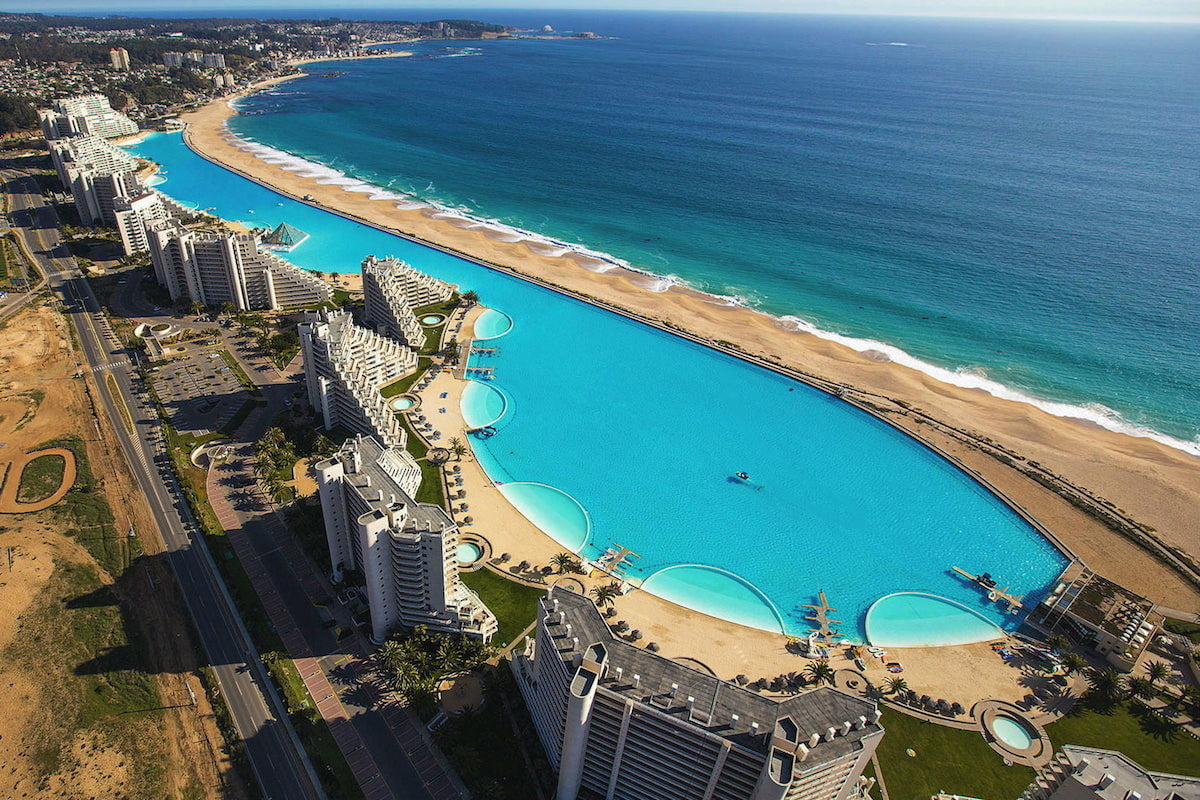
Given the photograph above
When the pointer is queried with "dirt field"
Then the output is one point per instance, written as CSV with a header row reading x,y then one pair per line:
x,y
97,663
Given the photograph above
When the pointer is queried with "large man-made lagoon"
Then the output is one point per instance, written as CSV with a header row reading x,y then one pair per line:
x,y
610,431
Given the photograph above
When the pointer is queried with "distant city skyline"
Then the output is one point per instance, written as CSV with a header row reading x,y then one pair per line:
x,y
1179,11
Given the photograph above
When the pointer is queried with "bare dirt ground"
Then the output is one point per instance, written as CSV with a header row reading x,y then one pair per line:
x,y
61,735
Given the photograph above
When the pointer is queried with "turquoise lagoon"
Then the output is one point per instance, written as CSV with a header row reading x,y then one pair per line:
x,y
610,431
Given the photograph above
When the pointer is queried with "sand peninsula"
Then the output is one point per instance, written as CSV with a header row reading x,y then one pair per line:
x,y
1128,478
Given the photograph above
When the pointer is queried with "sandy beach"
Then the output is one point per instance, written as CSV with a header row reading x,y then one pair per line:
x,y
1154,484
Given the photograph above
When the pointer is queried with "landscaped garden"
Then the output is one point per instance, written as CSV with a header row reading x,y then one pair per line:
x,y
514,604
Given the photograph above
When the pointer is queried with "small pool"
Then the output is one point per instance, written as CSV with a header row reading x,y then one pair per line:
x,y
1012,733
469,553
492,323
914,619
402,403
432,319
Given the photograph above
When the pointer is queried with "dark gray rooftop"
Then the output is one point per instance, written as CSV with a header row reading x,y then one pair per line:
x,y
726,709
382,491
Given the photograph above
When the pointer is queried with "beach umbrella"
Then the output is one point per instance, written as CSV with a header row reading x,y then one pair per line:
x,y
741,680
956,708
468,520
652,647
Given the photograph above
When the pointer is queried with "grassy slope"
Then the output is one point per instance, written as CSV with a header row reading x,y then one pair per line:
x,y
514,604
946,759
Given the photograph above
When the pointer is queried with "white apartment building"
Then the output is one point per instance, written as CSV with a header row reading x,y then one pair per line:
x,y
95,173
134,214
171,59
391,291
214,60
406,552
95,193
617,721
82,152
215,267
345,366
119,58
85,115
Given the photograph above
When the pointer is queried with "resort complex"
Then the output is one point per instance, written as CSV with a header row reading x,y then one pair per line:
x,y
464,522
405,551
85,115
345,366
212,265
619,721
391,291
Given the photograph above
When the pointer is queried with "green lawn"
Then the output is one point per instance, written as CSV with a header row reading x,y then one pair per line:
x,y
430,490
404,384
1144,739
41,478
948,759
514,604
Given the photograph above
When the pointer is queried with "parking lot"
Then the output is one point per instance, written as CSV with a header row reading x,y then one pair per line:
x,y
199,391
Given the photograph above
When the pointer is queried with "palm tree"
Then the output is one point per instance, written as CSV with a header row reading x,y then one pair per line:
x,y
1105,682
470,298
1157,671
1140,687
605,594
1073,663
819,672
458,448
1059,643
562,561
895,685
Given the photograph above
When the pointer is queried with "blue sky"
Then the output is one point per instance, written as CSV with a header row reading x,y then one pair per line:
x,y
1158,10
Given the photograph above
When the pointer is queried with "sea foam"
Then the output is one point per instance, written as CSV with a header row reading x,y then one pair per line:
x,y
597,261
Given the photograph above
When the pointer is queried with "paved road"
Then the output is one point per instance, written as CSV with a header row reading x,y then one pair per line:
x,y
275,753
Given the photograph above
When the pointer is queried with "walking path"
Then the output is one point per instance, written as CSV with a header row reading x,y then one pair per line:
x,y
290,588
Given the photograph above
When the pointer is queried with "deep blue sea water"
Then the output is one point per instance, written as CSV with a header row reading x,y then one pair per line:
x,y
1014,202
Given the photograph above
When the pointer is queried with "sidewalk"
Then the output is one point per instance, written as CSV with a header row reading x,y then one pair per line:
x,y
290,571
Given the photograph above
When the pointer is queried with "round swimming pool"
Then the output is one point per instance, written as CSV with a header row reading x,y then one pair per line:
x,y
432,319
1012,732
469,553
402,403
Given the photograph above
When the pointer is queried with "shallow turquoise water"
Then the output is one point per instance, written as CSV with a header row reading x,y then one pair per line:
x,y
921,620
618,433
491,324
1012,733
483,404
468,553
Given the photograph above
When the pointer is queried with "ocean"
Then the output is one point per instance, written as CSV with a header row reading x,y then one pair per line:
x,y
1007,205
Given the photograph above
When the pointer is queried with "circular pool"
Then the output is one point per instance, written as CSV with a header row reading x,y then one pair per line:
x,y
469,553
1012,732
482,404
433,319
402,403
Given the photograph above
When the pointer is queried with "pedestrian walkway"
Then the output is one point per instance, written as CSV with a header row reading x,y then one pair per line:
x,y
348,725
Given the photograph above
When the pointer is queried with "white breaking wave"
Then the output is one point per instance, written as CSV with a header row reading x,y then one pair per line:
x,y
977,378
500,231
597,261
